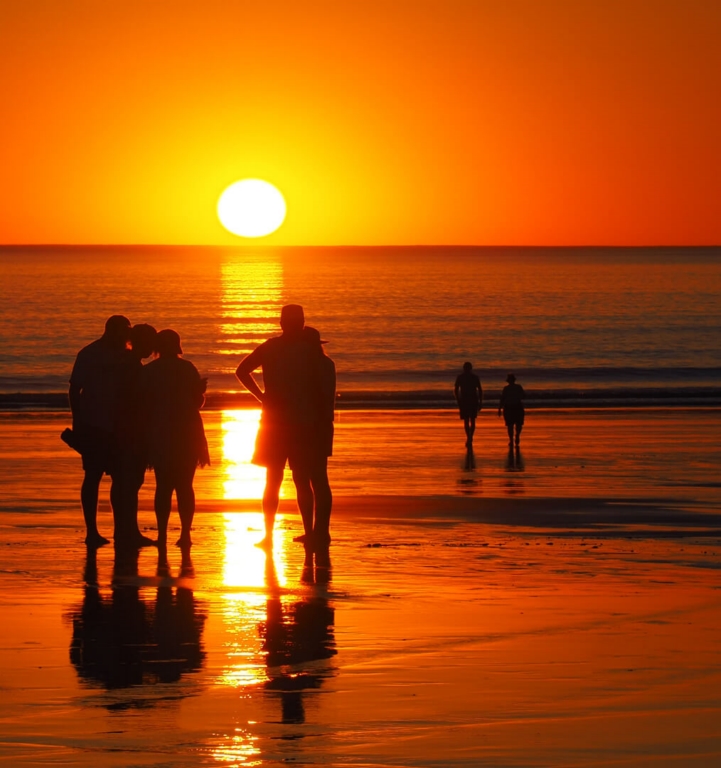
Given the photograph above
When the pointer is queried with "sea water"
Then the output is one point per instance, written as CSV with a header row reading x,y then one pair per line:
x,y
623,325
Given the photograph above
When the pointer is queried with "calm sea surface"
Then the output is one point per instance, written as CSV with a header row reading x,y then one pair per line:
x,y
627,325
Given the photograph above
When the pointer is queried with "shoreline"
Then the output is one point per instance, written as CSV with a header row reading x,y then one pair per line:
x,y
686,397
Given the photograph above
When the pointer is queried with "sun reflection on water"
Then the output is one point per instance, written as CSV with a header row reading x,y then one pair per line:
x,y
242,480
251,302
245,576
239,748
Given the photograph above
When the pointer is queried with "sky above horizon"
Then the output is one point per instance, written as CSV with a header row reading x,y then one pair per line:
x,y
526,122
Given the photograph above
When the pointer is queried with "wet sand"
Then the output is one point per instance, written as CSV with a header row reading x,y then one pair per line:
x,y
575,622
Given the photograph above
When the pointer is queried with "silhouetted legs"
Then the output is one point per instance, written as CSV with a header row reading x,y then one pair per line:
x,y
178,479
469,425
510,427
271,497
314,496
323,505
130,481
306,502
89,499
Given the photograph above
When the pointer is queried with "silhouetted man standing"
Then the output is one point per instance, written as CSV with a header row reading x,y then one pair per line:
x,y
94,395
288,406
469,396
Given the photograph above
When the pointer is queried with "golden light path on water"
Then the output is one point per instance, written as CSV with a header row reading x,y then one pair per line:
x,y
252,581
241,479
251,299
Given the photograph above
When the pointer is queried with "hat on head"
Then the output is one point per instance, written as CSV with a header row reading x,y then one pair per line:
x,y
510,378
313,335
167,342
292,317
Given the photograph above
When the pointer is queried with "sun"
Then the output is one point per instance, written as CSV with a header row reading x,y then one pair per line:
x,y
251,208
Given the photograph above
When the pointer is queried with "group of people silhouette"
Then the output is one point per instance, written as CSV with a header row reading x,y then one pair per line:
x,y
129,416
469,396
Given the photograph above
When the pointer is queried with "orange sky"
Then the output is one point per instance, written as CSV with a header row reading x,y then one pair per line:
x,y
382,121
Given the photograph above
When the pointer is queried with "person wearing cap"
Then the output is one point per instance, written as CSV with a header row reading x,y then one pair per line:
x,y
288,407
172,394
511,405
469,396
310,475
94,393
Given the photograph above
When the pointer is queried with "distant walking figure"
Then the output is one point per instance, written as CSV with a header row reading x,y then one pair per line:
x,y
173,394
94,394
511,404
469,396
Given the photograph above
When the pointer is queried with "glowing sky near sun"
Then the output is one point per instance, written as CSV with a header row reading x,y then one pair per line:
x,y
402,122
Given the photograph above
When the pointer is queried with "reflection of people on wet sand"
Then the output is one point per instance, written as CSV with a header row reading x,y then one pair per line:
x,y
173,394
511,404
132,446
469,396
93,395
124,641
294,375
294,636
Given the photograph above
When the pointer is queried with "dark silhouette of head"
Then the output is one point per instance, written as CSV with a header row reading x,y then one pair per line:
x,y
292,318
117,330
312,336
167,343
142,339
510,378
467,367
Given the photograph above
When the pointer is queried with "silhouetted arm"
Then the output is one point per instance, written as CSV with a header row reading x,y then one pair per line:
x,y
244,372
74,398
198,394
480,394
456,391
500,401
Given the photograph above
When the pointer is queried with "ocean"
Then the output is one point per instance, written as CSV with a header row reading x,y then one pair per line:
x,y
578,326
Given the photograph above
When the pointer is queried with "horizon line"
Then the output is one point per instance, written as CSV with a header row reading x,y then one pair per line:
x,y
348,245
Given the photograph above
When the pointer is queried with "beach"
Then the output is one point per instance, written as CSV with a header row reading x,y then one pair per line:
x,y
564,611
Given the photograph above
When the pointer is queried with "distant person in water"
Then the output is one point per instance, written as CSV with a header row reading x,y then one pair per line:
x,y
94,396
310,475
469,396
511,405
173,393
288,411
131,435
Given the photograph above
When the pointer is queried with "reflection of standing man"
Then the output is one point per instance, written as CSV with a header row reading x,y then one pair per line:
x,y
93,395
287,402
469,396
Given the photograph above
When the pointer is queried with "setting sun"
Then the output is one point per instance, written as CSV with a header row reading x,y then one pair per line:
x,y
251,208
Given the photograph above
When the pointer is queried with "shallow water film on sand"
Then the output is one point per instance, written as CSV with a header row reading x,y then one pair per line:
x,y
560,610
